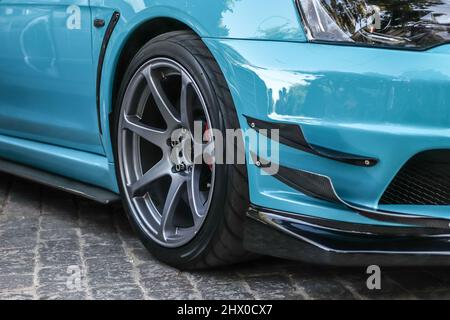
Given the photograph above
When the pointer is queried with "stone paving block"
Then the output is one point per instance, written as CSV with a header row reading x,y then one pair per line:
x,y
15,281
18,239
129,292
59,234
357,280
21,295
177,293
261,266
168,282
91,237
59,259
17,261
142,254
19,222
62,283
134,244
59,291
98,250
61,275
47,247
152,268
59,221
318,283
19,231
221,286
276,287
109,271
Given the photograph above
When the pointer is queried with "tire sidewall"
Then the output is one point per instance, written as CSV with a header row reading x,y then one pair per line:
x,y
192,251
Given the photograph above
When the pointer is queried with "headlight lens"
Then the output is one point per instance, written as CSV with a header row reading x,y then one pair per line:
x,y
413,24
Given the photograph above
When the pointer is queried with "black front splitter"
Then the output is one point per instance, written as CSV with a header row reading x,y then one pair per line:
x,y
328,242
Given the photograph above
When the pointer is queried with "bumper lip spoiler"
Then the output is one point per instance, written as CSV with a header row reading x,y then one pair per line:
x,y
328,242
292,135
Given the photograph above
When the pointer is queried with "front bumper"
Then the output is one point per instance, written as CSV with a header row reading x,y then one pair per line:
x,y
351,118
352,104
336,243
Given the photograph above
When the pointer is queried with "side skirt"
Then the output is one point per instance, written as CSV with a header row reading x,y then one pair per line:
x,y
59,182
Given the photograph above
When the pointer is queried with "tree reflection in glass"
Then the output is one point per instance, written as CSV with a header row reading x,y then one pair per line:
x,y
402,23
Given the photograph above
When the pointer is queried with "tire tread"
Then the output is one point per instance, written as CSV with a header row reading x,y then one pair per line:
x,y
226,247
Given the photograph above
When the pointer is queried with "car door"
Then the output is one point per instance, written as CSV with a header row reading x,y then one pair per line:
x,y
47,73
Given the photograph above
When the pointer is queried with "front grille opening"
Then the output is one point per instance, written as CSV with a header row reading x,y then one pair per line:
x,y
424,180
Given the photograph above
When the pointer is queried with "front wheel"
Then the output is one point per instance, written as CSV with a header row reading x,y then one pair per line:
x,y
189,214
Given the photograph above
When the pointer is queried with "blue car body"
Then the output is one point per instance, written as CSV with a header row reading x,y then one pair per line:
x,y
384,104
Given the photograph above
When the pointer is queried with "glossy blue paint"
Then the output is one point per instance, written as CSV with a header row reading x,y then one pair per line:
x,y
388,104
86,167
55,105
237,19
47,84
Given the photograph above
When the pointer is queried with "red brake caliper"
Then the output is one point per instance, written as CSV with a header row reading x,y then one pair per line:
x,y
208,137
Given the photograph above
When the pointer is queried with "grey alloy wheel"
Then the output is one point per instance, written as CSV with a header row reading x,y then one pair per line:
x,y
169,196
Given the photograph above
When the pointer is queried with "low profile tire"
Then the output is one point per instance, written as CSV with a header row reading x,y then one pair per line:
x,y
192,216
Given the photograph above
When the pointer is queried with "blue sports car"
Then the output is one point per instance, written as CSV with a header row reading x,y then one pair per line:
x,y
340,110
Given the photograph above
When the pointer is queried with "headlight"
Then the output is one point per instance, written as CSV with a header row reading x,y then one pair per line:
x,y
411,24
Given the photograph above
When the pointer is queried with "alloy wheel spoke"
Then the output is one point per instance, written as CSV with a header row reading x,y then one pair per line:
x,y
140,187
193,201
168,112
173,199
155,136
187,119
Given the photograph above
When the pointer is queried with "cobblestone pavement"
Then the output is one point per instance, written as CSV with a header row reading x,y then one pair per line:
x,y
48,237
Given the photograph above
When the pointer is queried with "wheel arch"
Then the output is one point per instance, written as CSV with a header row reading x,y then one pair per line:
x,y
126,41
135,40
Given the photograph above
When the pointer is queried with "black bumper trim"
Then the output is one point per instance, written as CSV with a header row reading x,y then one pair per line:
x,y
321,187
293,236
352,228
292,136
